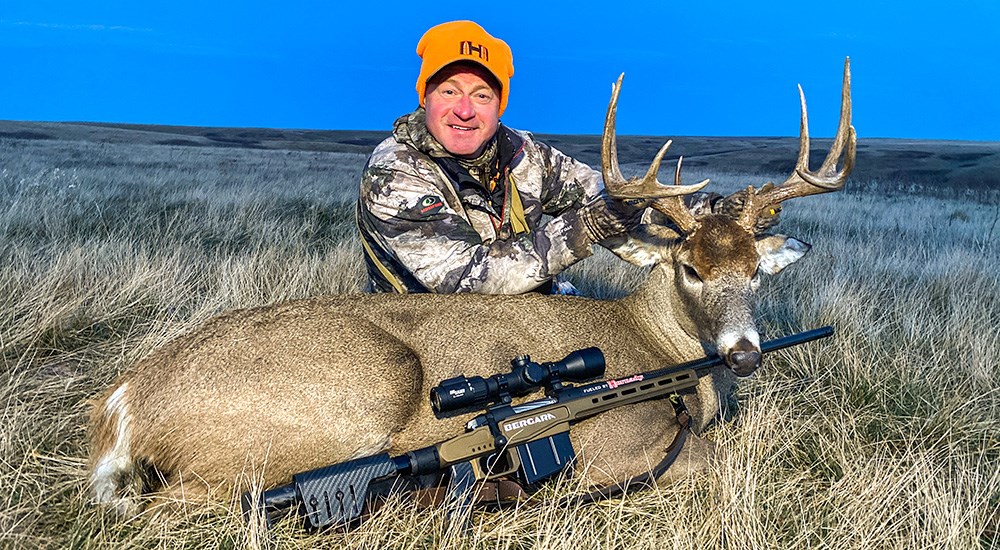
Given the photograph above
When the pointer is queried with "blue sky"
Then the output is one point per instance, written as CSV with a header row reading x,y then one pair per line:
x,y
921,70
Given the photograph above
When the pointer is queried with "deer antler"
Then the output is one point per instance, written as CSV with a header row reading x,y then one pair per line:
x,y
666,198
803,182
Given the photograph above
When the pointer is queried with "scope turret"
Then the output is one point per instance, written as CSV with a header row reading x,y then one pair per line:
x,y
463,394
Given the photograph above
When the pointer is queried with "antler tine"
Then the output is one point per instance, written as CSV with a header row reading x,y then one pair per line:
x,y
609,147
654,167
677,178
841,138
751,208
803,182
674,207
646,187
802,162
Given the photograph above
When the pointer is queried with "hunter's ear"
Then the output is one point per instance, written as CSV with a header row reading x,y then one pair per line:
x,y
779,251
644,246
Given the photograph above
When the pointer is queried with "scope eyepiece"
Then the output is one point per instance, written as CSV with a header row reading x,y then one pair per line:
x,y
463,394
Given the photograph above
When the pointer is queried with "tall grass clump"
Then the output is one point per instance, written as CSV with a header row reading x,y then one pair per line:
x,y
885,436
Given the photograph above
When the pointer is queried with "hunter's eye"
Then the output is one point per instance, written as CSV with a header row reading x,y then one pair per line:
x,y
691,274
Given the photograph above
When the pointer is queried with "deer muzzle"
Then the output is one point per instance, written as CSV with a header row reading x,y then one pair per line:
x,y
743,358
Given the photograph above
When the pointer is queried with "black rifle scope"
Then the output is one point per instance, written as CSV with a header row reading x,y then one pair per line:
x,y
462,394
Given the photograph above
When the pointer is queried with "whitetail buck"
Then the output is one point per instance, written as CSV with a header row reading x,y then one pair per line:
x,y
263,393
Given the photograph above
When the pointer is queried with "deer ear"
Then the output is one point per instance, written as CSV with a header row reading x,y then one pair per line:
x,y
778,252
644,246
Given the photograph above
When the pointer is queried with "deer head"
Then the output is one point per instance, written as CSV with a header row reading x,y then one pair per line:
x,y
707,267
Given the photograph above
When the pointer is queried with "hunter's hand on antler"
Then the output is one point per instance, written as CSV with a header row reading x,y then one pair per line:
x,y
606,216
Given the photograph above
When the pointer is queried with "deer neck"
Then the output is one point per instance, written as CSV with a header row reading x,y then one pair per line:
x,y
657,308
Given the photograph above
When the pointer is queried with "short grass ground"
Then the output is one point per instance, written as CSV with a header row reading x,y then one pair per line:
x,y
885,436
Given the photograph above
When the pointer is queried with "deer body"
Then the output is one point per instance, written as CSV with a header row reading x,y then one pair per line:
x,y
268,392
254,396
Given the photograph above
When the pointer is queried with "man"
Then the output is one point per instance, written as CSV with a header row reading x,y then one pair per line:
x,y
454,200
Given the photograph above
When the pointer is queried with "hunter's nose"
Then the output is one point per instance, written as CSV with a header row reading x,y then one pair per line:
x,y
463,108
744,358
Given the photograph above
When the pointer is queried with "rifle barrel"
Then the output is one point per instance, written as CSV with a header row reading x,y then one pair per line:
x,y
766,347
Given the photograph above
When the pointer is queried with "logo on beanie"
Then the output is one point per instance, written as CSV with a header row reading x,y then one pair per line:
x,y
466,47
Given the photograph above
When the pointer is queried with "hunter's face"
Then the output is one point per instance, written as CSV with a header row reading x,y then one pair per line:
x,y
462,109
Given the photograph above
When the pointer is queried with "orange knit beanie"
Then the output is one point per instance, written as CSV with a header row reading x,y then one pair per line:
x,y
464,41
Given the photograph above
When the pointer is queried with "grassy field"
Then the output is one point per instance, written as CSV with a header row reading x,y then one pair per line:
x,y
885,436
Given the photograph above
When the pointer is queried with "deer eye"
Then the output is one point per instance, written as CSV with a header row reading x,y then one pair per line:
x,y
690,274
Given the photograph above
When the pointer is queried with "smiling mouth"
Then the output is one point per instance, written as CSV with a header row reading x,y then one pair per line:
x,y
462,128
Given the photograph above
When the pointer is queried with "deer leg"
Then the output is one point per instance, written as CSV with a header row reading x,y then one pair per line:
x,y
632,442
624,442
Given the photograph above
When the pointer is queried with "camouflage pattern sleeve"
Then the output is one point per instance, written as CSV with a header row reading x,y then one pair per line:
x,y
575,184
417,215
567,181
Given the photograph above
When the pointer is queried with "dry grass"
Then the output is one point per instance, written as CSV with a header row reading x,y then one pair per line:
x,y
886,436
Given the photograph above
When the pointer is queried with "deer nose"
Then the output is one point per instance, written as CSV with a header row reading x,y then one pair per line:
x,y
743,358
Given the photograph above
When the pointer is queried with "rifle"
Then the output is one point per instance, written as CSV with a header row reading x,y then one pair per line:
x,y
529,441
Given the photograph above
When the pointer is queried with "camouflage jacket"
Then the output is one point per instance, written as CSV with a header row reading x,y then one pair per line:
x,y
427,226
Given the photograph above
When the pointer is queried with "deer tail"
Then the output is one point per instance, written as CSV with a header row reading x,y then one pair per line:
x,y
114,473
